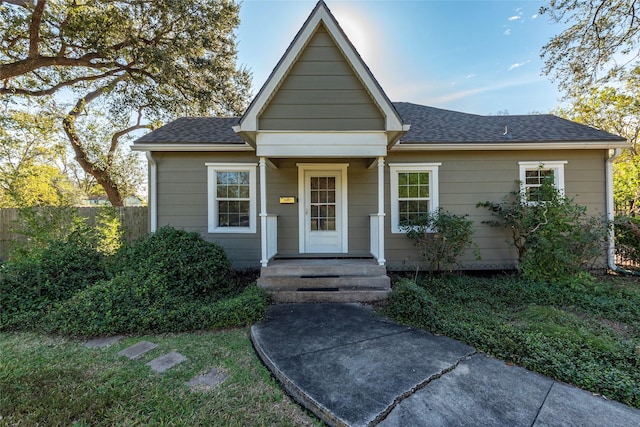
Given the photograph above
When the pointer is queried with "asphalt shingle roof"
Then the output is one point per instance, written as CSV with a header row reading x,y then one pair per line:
x,y
434,125
195,130
429,125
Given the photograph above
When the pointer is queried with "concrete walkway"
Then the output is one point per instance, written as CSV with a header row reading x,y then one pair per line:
x,y
354,368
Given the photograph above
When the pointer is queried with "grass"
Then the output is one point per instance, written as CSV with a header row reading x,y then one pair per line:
x,y
53,381
585,332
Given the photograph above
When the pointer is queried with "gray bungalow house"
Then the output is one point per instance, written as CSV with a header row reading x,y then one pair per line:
x,y
313,181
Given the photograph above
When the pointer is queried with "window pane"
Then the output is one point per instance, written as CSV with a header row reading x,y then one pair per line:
x,y
243,192
403,178
222,177
222,191
413,191
403,192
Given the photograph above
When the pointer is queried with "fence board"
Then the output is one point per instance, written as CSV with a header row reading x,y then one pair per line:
x,y
134,220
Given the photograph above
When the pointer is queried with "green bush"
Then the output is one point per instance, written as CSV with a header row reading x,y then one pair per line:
x,y
32,282
409,302
171,280
190,265
441,236
554,238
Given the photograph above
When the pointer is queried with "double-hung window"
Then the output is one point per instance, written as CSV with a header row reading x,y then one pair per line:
x,y
414,192
232,197
534,174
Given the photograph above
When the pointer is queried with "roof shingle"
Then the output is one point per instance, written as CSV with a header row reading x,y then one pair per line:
x,y
429,125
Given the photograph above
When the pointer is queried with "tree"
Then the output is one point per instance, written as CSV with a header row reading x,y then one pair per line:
x,y
615,110
601,43
143,61
29,148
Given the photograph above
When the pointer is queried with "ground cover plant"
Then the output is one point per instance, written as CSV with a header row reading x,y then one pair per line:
x,y
584,331
48,380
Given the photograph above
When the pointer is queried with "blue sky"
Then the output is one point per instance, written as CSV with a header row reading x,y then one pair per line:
x,y
474,56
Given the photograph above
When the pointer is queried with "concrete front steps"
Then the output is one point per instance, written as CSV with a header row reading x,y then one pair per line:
x,y
325,280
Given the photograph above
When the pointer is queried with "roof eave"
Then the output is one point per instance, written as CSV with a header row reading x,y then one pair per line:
x,y
516,146
159,146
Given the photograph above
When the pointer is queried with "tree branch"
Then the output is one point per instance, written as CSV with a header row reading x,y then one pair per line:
x,y
102,176
27,65
115,139
34,28
55,88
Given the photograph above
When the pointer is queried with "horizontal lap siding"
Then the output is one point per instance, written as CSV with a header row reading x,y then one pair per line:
x,y
467,178
182,201
321,92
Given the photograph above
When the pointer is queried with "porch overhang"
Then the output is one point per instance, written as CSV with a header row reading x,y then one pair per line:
x,y
321,144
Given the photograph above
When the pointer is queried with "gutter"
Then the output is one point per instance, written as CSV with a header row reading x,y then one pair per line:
x,y
611,250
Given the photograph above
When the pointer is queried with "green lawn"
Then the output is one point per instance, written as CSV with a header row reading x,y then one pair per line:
x,y
585,332
51,381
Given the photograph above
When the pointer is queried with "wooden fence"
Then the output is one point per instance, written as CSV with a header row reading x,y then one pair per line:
x,y
134,220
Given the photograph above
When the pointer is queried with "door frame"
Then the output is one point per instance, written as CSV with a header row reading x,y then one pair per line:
x,y
302,202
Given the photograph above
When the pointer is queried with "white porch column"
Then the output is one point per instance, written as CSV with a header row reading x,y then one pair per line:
x,y
381,259
263,211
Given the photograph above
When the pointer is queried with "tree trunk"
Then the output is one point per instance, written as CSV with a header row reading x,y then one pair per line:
x,y
102,175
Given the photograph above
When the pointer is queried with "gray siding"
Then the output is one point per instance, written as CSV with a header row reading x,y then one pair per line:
x,y
466,178
321,92
182,201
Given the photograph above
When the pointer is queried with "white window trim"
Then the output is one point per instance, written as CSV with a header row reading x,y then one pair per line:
x,y
212,169
396,168
558,175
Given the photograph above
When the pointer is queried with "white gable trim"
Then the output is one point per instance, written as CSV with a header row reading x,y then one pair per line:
x,y
322,144
321,14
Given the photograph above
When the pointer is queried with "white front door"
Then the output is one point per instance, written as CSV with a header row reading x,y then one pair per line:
x,y
323,208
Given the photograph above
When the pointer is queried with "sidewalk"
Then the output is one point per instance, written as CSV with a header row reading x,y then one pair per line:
x,y
354,368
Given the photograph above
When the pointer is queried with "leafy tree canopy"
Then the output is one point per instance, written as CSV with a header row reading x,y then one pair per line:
x,y
143,61
602,42
616,110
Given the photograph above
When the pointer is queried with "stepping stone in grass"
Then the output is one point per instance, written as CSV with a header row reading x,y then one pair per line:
x,y
166,361
208,381
137,350
103,342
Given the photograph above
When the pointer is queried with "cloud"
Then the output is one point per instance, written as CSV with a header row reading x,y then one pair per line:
x,y
507,32
470,76
515,18
518,64
534,16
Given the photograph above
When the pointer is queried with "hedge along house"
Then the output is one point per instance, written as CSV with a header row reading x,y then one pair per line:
x,y
314,180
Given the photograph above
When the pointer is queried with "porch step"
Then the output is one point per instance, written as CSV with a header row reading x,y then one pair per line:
x,y
325,280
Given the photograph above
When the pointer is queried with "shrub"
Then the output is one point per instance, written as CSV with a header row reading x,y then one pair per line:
x,y
441,236
555,238
409,303
188,264
32,282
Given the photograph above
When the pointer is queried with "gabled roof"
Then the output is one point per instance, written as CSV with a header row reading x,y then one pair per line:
x,y
320,15
430,127
433,125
